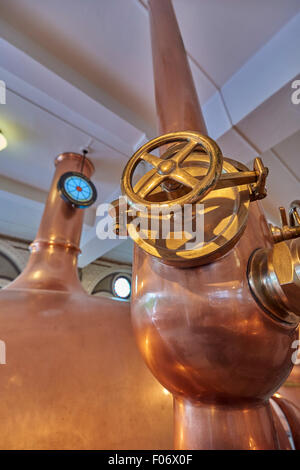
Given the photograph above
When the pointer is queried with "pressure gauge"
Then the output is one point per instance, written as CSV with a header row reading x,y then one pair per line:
x,y
77,189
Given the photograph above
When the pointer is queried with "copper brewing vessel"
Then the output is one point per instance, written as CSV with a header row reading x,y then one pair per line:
x,y
73,377
206,340
200,331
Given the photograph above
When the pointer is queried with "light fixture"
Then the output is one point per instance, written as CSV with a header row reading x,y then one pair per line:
x,y
3,141
121,287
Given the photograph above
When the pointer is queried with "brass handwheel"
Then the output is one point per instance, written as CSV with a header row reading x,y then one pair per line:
x,y
171,169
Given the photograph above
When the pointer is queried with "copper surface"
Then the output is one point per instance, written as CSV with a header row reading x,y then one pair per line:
x,y
291,387
53,260
73,377
216,427
205,338
292,414
281,426
200,331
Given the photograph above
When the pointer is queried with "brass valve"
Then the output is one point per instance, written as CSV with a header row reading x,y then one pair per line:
x,y
287,231
191,169
170,167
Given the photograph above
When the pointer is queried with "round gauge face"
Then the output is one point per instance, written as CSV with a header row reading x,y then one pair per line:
x,y
77,189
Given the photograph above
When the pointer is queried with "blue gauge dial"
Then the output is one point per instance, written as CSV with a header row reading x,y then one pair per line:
x,y
77,189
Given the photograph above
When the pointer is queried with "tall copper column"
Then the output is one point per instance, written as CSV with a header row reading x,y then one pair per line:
x,y
73,377
200,331
175,93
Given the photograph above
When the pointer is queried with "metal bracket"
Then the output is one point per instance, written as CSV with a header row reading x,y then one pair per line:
x,y
256,180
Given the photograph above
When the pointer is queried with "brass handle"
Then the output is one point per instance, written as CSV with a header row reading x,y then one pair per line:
x,y
171,169
287,231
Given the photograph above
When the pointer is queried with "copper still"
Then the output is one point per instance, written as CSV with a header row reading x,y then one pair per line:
x,y
73,377
206,318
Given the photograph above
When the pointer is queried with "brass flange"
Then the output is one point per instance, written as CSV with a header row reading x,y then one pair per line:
x,y
274,279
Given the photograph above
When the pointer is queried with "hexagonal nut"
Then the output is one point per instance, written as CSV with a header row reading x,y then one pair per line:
x,y
286,263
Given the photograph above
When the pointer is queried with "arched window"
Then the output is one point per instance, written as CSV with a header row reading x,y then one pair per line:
x,y
8,270
116,285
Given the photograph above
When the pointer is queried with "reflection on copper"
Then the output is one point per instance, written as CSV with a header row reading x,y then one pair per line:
x,y
292,414
210,344
74,378
291,388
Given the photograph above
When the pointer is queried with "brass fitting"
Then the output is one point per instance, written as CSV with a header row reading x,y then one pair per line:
x,y
274,279
287,231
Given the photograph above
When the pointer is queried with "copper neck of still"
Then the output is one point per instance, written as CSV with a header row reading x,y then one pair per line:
x,y
176,97
53,261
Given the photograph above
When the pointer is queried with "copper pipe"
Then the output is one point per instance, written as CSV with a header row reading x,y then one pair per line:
x,y
216,427
177,102
61,222
54,252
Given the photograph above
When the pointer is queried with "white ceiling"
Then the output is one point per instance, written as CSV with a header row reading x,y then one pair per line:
x,y
81,71
223,35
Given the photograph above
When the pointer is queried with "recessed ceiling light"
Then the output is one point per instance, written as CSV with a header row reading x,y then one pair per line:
x,y
3,141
